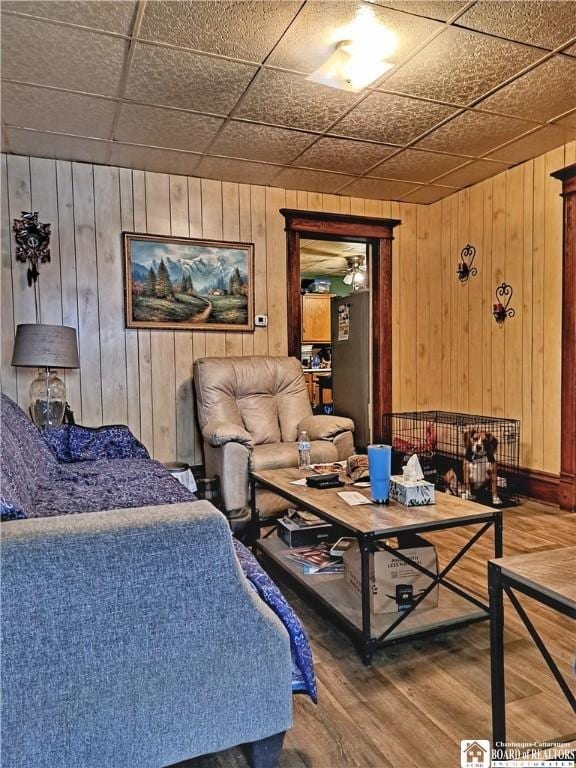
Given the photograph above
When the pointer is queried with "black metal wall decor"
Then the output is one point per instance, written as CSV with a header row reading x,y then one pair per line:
x,y
465,268
501,310
32,243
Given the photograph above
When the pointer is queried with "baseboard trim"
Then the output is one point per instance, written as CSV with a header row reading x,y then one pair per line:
x,y
535,484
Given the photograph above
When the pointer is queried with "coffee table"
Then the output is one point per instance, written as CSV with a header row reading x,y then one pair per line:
x,y
371,523
549,577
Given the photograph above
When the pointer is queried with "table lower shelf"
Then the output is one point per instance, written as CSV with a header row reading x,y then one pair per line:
x,y
341,598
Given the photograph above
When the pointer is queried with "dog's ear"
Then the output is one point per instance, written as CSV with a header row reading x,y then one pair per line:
x,y
490,446
467,438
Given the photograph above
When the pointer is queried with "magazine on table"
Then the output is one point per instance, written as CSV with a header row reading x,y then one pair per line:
x,y
316,559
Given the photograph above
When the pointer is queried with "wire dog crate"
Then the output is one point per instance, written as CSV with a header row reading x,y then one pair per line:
x,y
468,455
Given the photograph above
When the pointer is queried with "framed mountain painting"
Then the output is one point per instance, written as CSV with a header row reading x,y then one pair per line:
x,y
179,283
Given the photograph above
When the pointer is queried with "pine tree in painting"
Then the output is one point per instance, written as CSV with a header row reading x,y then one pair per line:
x,y
164,288
235,284
149,288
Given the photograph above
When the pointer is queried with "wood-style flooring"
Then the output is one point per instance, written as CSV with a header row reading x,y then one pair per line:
x,y
417,700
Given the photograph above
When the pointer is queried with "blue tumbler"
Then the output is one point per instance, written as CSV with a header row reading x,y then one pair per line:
x,y
379,462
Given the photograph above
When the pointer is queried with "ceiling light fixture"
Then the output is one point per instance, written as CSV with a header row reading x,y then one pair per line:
x,y
359,56
356,273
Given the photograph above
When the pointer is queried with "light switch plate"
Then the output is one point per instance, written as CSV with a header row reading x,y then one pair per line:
x,y
261,320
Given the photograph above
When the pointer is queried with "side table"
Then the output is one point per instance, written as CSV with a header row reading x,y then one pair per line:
x,y
548,577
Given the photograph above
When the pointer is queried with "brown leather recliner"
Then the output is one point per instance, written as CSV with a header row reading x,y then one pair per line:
x,y
251,411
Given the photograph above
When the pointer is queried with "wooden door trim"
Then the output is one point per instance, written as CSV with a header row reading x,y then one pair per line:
x,y
378,233
567,488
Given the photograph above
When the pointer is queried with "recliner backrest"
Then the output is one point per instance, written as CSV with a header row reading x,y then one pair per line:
x,y
267,396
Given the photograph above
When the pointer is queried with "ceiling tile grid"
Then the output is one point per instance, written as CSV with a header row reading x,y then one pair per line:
x,y
218,88
459,66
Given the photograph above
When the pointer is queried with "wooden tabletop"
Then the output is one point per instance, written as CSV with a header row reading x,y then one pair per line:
x,y
370,518
551,572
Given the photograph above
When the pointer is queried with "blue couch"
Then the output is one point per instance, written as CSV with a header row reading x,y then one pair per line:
x,y
130,636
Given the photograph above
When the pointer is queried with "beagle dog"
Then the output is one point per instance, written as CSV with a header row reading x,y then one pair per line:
x,y
479,468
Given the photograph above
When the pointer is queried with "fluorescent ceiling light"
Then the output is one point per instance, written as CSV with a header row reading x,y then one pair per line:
x,y
359,56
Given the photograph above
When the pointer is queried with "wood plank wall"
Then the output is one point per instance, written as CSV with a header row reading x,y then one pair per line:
x,y
447,350
452,354
139,377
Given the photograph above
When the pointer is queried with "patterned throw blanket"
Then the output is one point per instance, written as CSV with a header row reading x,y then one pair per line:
x,y
303,677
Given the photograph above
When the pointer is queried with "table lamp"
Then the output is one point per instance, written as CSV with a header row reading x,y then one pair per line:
x,y
46,347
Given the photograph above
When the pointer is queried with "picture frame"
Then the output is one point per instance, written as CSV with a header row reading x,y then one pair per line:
x,y
181,283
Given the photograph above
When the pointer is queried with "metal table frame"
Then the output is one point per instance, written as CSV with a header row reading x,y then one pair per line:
x,y
500,582
492,518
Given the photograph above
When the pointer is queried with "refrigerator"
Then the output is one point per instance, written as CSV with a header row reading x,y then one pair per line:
x,y
351,362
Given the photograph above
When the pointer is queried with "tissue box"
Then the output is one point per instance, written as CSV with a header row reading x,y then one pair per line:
x,y
394,585
411,493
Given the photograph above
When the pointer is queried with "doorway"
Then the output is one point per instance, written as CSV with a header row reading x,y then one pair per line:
x,y
375,234
336,330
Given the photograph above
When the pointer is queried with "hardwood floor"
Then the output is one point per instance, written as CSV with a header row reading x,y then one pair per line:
x,y
417,700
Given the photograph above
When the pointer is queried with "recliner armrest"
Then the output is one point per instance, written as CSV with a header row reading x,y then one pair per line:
x,y
325,427
221,432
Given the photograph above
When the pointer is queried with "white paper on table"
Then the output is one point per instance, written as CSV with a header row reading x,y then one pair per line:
x,y
353,498
302,481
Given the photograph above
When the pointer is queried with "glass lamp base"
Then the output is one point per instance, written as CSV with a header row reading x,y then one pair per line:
x,y
47,399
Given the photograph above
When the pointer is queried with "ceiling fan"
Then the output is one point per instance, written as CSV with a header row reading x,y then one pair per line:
x,y
356,272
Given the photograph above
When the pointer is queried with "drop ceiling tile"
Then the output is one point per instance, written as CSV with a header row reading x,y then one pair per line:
x,y
56,146
534,144
166,127
391,119
427,195
179,78
547,24
312,36
241,171
472,173
39,52
414,165
568,120
48,110
111,17
343,155
152,159
459,66
379,189
288,99
541,94
570,50
244,30
474,133
433,9
313,181
260,142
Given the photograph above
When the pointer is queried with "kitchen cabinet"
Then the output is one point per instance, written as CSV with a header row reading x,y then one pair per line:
x,y
316,317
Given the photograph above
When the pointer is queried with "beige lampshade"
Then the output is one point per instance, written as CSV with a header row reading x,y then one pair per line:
x,y
45,346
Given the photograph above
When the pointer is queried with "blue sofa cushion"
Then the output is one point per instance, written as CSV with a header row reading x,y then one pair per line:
x,y
72,442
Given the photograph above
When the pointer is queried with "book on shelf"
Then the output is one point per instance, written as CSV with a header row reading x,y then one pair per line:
x,y
316,559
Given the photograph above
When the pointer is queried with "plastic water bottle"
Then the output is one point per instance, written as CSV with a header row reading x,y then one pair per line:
x,y
303,450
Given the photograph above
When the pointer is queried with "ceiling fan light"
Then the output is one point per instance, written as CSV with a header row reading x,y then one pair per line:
x,y
348,278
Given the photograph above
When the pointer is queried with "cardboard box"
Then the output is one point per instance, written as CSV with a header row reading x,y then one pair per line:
x,y
411,493
394,584
302,536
